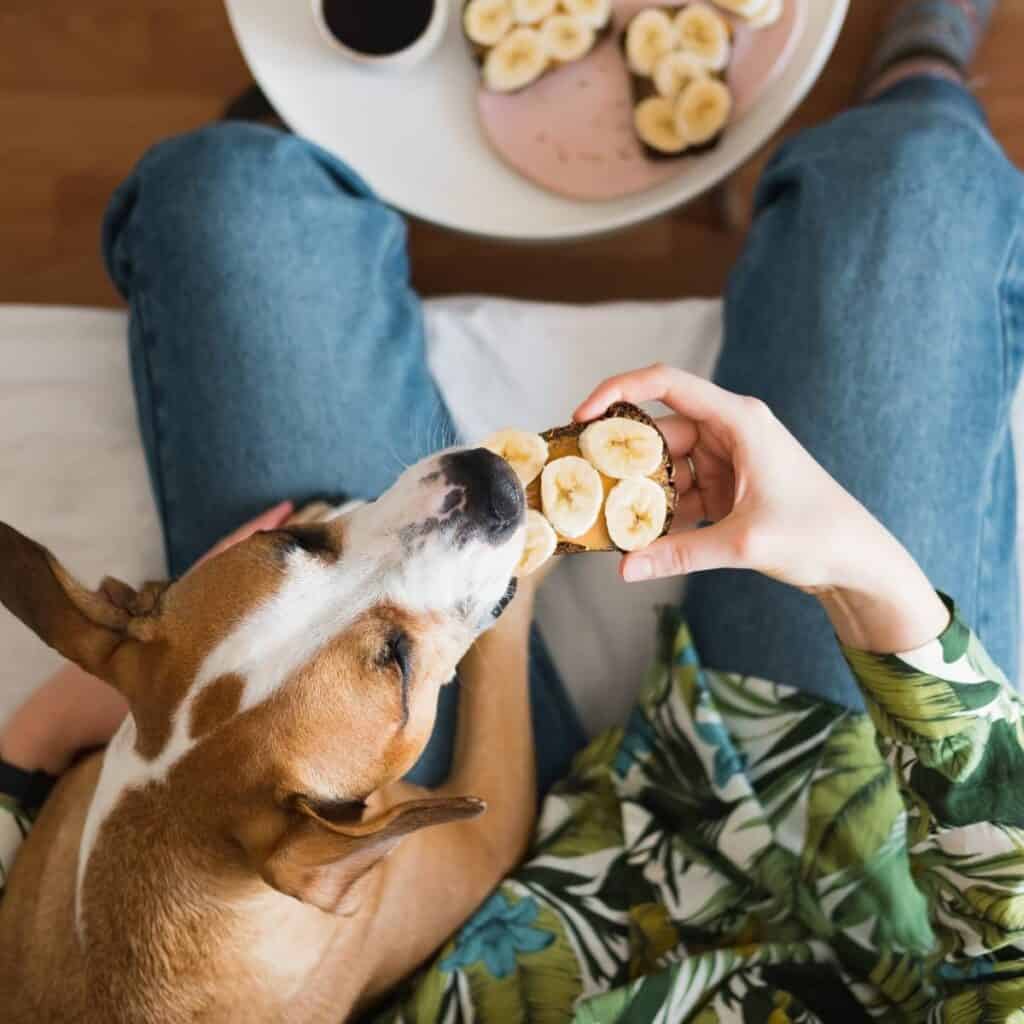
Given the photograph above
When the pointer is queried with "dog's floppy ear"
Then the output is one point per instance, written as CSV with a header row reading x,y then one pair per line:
x,y
85,626
127,598
318,860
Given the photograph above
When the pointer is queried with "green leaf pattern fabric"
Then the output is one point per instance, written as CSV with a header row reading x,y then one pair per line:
x,y
742,854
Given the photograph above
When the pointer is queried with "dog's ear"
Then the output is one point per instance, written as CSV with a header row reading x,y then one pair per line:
x,y
318,860
136,602
85,626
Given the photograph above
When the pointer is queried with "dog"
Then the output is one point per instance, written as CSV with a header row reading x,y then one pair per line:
x,y
245,849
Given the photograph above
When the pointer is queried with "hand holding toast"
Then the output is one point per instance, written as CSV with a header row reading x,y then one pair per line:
x,y
773,509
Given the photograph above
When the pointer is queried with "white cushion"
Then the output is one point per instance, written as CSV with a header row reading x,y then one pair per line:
x,y
73,474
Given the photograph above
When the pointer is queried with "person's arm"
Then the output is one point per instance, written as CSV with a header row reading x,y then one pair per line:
x,y
951,727
773,509
943,711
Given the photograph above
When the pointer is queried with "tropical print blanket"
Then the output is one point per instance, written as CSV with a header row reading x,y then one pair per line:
x,y
741,853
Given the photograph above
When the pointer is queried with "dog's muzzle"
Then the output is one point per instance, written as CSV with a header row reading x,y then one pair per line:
x,y
492,496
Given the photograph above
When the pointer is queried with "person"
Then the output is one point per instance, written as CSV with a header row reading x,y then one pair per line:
x,y
839,843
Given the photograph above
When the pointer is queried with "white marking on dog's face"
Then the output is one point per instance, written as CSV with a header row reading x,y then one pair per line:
x,y
438,550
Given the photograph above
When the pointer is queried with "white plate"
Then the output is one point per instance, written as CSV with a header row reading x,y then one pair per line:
x,y
414,135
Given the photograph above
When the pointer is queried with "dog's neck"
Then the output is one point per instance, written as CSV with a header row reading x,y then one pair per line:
x,y
167,918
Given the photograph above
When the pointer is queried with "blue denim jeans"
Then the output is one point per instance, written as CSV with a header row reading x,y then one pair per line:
x,y
278,351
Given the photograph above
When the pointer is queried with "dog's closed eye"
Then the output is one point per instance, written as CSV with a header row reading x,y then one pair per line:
x,y
397,653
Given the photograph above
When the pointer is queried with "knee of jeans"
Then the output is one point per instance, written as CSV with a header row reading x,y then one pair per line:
x,y
226,194
923,164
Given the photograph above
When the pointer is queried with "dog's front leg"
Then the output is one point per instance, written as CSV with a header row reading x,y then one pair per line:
x,y
494,755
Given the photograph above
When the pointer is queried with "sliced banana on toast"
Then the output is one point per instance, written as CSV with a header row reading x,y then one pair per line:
x,y
677,58
540,545
518,41
757,13
526,453
601,486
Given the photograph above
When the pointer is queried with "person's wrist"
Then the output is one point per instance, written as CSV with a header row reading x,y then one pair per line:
x,y
880,600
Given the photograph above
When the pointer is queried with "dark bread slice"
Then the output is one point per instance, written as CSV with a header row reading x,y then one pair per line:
x,y
563,441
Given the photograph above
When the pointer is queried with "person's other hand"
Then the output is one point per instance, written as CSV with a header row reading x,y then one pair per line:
x,y
272,519
773,509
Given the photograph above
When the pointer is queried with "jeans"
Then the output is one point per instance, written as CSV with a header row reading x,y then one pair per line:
x,y
278,351
878,308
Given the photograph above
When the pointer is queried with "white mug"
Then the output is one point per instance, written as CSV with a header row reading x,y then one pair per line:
x,y
416,51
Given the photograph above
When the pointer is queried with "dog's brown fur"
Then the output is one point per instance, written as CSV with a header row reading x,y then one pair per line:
x,y
205,896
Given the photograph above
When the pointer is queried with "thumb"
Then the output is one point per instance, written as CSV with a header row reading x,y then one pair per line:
x,y
679,554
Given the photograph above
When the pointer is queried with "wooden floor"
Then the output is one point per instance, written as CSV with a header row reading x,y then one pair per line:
x,y
85,88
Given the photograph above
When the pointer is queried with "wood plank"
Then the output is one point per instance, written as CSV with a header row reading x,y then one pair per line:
x,y
84,90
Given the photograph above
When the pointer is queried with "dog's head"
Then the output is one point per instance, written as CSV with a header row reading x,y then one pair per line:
x,y
285,680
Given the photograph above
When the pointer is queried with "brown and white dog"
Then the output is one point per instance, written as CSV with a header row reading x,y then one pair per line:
x,y
226,858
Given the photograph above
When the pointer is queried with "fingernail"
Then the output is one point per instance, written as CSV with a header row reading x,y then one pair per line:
x,y
637,569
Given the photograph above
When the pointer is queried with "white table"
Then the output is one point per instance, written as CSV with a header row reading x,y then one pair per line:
x,y
414,135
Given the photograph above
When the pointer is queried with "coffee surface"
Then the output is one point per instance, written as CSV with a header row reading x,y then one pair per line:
x,y
377,27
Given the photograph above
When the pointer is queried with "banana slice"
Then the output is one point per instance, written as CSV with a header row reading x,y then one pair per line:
x,y
635,513
530,12
702,110
526,453
596,13
651,34
622,448
519,59
571,494
768,15
656,123
487,21
703,32
744,8
675,71
566,37
541,541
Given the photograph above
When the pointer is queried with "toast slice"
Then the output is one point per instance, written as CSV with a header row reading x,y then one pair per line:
x,y
563,441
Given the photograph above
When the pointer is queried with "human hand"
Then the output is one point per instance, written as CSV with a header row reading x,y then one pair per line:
x,y
773,509
272,519
73,710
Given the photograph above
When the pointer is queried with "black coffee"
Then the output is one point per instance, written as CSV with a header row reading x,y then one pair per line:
x,y
378,27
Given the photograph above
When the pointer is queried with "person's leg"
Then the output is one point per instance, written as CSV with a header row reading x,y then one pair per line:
x,y
878,310
277,349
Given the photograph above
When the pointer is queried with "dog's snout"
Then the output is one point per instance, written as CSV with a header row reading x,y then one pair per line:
x,y
494,497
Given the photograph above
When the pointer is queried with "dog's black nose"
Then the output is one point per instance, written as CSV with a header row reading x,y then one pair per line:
x,y
493,496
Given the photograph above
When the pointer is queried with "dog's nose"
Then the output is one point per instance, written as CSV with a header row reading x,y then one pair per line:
x,y
494,497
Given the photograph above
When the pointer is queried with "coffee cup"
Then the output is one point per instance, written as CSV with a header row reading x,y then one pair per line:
x,y
384,33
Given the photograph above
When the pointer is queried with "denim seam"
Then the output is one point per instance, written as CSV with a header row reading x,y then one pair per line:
x,y
139,302
983,591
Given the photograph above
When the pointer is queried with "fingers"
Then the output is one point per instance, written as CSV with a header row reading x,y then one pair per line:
x,y
270,520
682,392
679,554
680,433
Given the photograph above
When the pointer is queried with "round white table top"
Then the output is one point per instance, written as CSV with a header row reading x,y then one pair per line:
x,y
414,134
